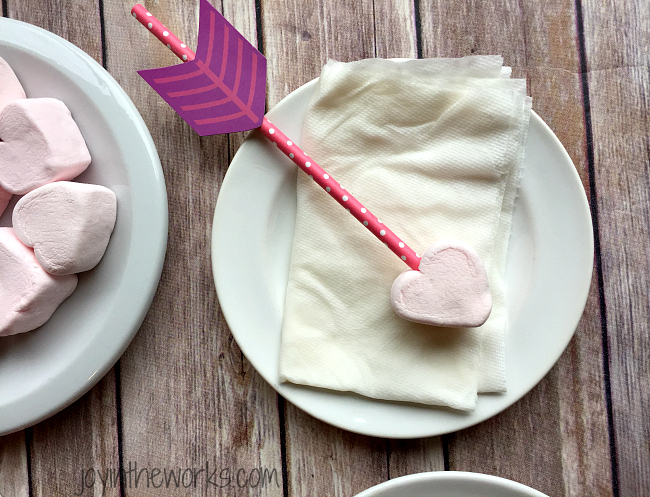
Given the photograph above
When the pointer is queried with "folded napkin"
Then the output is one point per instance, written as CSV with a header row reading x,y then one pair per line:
x,y
434,148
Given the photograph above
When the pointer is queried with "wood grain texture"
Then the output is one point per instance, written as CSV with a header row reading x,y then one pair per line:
x,y
394,29
77,21
586,466
395,36
14,478
521,444
85,434
406,457
616,33
561,426
325,461
189,399
616,46
80,440
456,29
299,37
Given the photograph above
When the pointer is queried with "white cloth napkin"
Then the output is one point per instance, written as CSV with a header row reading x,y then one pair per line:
x,y
434,149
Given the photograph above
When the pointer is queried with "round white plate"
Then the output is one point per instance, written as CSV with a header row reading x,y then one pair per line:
x,y
548,275
450,484
45,370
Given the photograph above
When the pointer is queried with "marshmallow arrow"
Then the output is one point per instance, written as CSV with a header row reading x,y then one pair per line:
x,y
221,89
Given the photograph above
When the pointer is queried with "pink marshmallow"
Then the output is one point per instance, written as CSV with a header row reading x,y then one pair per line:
x,y
68,224
5,197
28,294
41,143
10,87
450,289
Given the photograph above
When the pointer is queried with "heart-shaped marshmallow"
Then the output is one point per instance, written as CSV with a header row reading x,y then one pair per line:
x,y
450,289
40,144
68,224
28,294
5,197
10,87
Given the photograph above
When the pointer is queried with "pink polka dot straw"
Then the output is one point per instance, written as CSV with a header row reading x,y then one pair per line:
x,y
222,89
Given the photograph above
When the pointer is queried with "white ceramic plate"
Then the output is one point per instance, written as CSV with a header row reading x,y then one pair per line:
x,y
450,484
548,275
43,371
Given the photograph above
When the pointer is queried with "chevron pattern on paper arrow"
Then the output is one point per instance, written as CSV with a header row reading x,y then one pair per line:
x,y
223,90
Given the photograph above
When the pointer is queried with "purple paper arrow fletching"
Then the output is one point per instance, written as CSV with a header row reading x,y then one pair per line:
x,y
223,90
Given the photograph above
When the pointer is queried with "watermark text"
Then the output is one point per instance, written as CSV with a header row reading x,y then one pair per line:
x,y
134,476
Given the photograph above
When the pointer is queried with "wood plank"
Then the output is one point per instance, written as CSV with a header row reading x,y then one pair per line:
x,y
188,396
75,20
80,440
542,440
586,465
394,29
521,444
456,29
14,478
616,46
299,37
406,457
85,434
326,461
586,462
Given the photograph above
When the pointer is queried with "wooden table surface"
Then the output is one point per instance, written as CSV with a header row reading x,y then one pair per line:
x,y
183,395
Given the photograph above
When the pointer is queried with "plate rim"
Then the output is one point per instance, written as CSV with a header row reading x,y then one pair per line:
x,y
280,388
455,477
102,352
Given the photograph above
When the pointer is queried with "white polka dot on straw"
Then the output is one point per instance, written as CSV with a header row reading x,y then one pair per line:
x,y
282,142
329,184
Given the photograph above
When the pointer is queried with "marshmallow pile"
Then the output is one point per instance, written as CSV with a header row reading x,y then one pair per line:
x,y
60,228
